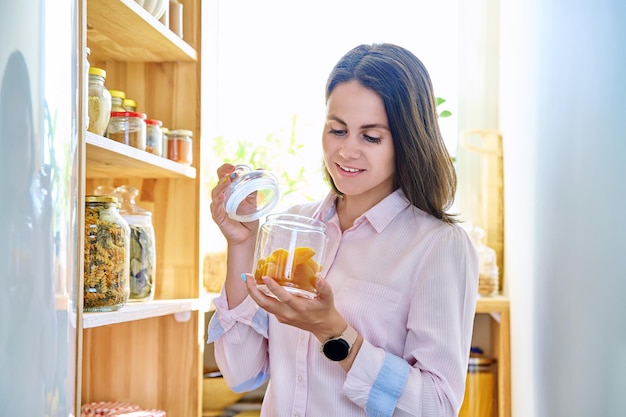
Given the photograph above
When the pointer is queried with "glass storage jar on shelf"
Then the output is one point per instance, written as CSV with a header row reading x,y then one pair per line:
x,y
99,102
180,146
481,391
117,100
154,136
130,104
107,251
165,132
142,244
128,128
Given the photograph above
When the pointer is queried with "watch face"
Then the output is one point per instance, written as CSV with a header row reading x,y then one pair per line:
x,y
336,349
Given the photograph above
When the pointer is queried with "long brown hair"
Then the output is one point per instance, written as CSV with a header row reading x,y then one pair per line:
x,y
424,169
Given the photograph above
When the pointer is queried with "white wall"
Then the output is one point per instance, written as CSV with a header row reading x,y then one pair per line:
x,y
563,118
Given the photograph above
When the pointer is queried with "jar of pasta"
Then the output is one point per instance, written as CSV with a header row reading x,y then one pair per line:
x,y
99,102
180,147
128,128
106,282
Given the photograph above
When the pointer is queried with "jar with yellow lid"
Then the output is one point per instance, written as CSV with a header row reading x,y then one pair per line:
x,y
106,283
117,100
130,104
99,103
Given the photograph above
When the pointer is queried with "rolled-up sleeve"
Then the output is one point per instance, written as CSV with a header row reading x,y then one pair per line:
x,y
239,333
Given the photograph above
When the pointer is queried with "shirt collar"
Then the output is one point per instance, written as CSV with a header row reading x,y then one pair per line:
x,y
378,216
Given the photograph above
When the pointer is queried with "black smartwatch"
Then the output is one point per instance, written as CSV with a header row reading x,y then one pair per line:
x,y
338,348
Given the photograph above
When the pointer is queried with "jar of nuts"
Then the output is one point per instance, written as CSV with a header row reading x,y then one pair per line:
x,y
106,283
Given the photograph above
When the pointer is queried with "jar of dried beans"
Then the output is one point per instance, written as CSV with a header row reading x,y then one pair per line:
x,y
180,147
99,103
106,283
128,128
142,244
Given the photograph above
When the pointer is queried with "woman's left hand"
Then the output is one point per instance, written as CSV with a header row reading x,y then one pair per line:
x,y
318,316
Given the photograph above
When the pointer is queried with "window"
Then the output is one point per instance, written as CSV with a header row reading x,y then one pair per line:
x,y
267,64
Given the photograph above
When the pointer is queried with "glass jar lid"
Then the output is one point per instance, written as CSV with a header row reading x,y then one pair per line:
x,y
252,194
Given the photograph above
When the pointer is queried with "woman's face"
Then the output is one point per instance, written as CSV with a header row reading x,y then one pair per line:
x,y
358,147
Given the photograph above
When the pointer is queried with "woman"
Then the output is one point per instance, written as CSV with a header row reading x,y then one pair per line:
x,y
389,332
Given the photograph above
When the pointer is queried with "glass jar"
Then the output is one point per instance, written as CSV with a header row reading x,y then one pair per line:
x,y
107,250
154,136
117,100
128,128
480,388
290,249
488,273
99,103
252,194
165,132
142,244
130,104
180,146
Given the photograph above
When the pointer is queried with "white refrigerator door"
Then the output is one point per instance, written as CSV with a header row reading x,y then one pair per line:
x,y
38,195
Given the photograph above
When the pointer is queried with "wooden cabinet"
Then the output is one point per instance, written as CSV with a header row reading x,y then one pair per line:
x,y
149,353
497,309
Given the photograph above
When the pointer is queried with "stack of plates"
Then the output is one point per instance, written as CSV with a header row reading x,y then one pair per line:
x,y
155,7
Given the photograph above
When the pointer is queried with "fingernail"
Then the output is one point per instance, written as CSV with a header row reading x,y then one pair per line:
x,y
243,277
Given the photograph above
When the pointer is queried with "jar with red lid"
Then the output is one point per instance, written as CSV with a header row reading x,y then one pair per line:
x,y
180,146
154,136
128,128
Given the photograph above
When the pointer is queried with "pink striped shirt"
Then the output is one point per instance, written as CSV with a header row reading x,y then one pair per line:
x,y
407,282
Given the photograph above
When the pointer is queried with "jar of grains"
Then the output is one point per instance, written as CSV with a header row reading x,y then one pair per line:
x,y
106,282
154,136
117,100
128,128
179,146
99,103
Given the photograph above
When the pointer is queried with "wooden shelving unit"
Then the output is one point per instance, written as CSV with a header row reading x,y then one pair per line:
x,y
498,309
106,157
144,39
149,353
137,311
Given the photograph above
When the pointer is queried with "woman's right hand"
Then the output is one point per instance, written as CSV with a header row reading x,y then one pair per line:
x,y
235,232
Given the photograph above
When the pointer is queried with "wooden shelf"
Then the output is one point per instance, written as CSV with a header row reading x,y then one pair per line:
x,y
143,310
496,304
107,158
121,30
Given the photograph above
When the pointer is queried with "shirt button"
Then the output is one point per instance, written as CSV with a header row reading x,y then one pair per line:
x,y
302,337
299,378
